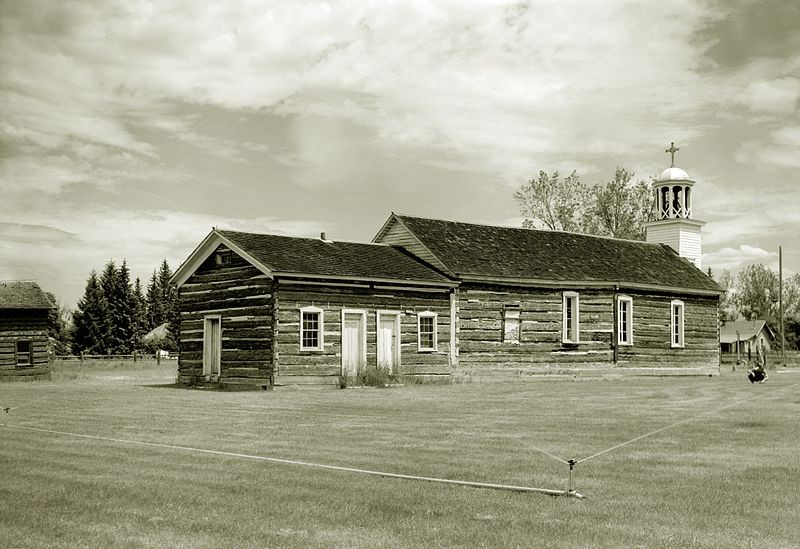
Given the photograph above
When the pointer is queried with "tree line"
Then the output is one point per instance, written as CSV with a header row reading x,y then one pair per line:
x,y
754,294
618,208
114,314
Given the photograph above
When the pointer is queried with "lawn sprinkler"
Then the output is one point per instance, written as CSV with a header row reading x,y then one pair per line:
x,y
570,491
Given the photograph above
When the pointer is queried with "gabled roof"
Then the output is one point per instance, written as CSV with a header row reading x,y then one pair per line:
x,y
159,332
485,252
23,294
747,329
277,255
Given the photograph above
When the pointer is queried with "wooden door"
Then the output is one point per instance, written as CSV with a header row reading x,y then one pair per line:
x,y
353,343
388,350
212,346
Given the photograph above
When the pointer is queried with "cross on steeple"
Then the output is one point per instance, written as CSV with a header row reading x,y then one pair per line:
x,y
672,150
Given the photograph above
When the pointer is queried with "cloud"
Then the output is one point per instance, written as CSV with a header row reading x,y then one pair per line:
x,y
779,150
773,96
62,256
733,259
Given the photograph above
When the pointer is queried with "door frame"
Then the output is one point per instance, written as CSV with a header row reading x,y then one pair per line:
x,y
363,343
207,368
378,337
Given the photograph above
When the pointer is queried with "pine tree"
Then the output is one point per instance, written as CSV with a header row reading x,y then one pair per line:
x,y
123,311
90,323
169,300
155,305
109,286
140,321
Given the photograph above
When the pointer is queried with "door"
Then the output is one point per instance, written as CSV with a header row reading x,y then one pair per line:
x,y
354,343
388,338
212,346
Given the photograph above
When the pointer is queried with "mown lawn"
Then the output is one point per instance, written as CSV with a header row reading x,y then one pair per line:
x,y
730,478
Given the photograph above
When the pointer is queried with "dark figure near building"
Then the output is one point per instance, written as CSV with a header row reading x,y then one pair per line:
x,y
759,374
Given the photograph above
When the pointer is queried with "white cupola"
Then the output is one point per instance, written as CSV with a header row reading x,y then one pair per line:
x,y
674,225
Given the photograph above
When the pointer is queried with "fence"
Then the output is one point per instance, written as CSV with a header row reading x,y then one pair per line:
x,y
135,357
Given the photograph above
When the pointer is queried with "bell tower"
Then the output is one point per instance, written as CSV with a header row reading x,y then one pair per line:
x,y
674,225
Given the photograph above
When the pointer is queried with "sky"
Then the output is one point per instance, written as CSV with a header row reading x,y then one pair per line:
x,y
129,129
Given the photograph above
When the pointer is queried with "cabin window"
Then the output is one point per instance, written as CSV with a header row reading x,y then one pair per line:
x,y
625,320
511,331
312,322
426,331
676,323
24,353
571,318
224,258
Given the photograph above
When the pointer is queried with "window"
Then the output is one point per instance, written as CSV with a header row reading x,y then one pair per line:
x,y
223,257
511,331
571,318
312,322
426,331
24,352
676,323
625,320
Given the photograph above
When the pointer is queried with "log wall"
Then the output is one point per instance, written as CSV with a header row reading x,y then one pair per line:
x,y
483,354
29,325
324,367
242,296
651,348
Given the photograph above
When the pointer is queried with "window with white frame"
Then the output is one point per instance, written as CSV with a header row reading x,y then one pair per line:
x,y
676,323
426,331
511,325
571,318
312,323
625,320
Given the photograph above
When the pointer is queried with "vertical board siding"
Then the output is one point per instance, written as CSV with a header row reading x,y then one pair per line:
x,y
29,325
242,296
397,235
291,362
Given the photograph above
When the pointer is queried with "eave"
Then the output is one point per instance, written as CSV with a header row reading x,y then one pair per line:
x,y
598,284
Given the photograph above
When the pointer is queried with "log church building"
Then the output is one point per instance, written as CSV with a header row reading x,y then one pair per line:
x,y
431,299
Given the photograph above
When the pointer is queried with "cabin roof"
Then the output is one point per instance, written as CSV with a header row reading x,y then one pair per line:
x,y
492,252
23,294
313,256
747,329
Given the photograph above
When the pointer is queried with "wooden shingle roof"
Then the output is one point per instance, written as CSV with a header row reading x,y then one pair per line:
x,y
325,258
483,251
22,294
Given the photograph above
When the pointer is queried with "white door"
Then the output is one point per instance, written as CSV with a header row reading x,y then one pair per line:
x,y
353,343
388,351
212,346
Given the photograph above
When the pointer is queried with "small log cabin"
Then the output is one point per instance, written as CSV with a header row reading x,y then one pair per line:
x,y
259,309
24,310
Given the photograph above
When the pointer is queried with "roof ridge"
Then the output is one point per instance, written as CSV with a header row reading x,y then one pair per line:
x,y
530,229
313,238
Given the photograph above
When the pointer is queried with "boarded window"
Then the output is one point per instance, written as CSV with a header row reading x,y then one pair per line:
x,y
625,320
24,351
511,325
426,331
311,329
676,323
571,318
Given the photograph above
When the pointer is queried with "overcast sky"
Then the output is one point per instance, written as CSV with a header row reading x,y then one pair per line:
x,y
128,129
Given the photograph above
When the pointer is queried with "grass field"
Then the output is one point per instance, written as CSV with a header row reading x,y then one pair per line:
x,y
729,478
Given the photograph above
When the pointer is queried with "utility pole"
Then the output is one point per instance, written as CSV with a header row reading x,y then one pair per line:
x,y
780,298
